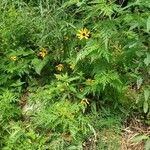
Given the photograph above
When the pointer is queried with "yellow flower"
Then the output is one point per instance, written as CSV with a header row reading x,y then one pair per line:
x,y
89,82
81,89
60,67
72,66
66,84
83,33
14,58
84,102
43,52
66,38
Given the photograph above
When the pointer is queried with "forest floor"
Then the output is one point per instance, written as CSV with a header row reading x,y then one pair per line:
x,y
111,139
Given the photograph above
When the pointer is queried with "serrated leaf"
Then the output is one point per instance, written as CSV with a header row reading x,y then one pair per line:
x,y
139,138
147,145
148,24
146,94
147,59
17,83
145,107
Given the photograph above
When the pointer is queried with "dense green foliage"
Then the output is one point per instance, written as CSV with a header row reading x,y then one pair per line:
x,y
65,64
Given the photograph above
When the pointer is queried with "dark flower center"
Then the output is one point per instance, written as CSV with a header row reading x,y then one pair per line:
x,y
83,34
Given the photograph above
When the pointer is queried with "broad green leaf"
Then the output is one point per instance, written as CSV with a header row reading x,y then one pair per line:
x,y
145,107
38,64
146,94
148,24
139,138
147,145
147,59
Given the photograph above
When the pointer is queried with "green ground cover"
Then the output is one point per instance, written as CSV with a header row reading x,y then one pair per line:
x,y
72,72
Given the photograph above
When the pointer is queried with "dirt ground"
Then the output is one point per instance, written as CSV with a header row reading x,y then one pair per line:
x,y
135,128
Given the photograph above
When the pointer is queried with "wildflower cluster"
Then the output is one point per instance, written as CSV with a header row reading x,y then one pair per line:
x,y
62,62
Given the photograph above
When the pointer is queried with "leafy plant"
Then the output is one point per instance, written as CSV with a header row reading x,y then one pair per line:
x,y
61,61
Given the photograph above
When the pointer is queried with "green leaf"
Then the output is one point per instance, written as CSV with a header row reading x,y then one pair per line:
x,y
139,82
147,59
145,107
147,145
70,3
146,94
39,64
139,138
148,24
17,83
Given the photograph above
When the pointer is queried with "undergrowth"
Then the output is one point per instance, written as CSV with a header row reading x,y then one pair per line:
x,y
72,71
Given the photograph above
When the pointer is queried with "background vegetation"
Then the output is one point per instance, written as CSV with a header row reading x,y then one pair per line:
x,y
72,72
